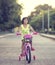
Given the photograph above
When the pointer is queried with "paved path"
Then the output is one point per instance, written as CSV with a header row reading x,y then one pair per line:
x,y
48,36
10,48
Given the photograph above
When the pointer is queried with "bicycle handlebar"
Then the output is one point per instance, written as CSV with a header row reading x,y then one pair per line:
x,y
34,33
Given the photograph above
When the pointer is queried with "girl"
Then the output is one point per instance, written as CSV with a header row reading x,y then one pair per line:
x,y
25,29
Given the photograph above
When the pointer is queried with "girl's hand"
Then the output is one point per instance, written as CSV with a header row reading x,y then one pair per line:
x,y
35,33
18,33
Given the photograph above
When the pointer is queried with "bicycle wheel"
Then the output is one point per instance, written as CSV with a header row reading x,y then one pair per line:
x,y
28,55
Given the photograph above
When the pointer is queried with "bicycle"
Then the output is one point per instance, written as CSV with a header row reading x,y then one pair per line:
x,y
27,48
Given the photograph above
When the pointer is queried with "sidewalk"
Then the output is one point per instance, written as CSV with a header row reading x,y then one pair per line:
x,y
48,36
5,35
42,34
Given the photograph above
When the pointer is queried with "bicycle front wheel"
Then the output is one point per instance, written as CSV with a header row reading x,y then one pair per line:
x,y
28,55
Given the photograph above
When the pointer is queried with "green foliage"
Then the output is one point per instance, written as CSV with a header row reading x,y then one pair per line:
x,y
36,22
10,13
52,19
42,10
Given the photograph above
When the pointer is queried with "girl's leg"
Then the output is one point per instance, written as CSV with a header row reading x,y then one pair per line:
x,y
32,45
22,47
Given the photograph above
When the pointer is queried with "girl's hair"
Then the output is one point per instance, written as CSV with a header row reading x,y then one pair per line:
x,y
24,19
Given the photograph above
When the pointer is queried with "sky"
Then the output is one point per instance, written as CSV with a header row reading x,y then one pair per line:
x,y
29,5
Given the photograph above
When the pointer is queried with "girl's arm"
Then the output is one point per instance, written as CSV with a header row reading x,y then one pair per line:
x,y
31,28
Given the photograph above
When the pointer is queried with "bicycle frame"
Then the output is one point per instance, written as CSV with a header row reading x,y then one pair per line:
x,y
27,43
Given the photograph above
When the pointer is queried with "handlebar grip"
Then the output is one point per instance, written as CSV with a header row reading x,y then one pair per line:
x,y
35,33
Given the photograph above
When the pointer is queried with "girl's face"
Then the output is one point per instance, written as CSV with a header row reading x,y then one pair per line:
x,y
26,21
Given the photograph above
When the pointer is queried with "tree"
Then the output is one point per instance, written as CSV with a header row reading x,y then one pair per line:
x,y
36,20
52,19
44,7
10,13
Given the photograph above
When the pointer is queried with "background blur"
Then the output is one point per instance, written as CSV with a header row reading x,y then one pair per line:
x,y
41,14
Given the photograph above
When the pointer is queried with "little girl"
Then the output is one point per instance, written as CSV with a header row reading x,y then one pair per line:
x,y
25,29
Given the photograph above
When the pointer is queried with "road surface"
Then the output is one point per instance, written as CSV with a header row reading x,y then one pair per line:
x,y
10,48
